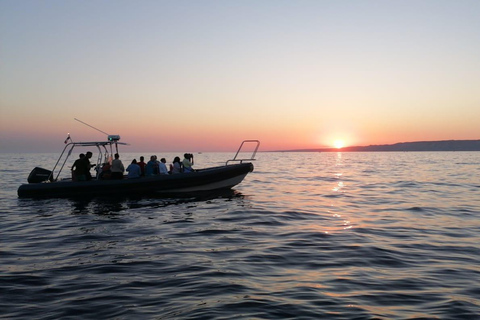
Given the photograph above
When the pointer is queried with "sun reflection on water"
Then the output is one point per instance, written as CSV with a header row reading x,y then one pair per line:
x,y
340,189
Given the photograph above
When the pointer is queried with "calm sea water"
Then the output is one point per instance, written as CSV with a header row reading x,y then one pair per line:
x,y
305,236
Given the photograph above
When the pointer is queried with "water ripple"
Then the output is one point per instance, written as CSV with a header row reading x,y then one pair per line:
x,y
342,236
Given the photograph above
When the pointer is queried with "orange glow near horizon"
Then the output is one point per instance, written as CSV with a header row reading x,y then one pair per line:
x,y
205,95
339,143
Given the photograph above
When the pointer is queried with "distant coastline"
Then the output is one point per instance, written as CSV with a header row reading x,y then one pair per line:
x,y
443,145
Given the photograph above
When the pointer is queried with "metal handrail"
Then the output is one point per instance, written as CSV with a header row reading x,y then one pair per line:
x,y
252,158
97,144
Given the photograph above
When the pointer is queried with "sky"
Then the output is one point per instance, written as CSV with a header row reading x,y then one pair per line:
x,y
204,75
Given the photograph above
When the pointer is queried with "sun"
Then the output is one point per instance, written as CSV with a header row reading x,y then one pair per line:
x,y
339,144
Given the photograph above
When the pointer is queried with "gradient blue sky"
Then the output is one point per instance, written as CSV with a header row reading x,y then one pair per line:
x,y
204,75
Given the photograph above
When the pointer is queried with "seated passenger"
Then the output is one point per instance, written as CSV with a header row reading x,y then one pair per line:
x,y
142,165
156,169
151,167
187,162
105,172
117,167
176,167
162,167
134,170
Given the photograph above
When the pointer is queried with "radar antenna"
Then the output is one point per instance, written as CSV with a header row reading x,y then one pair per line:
x,y
110,137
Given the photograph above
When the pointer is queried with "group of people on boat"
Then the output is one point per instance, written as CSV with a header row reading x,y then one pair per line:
x,y
115,169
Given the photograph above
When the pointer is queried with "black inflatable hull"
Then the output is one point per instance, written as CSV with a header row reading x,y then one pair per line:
x,y
211,179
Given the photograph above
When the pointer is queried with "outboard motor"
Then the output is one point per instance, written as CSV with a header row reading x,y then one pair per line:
x,y
39,175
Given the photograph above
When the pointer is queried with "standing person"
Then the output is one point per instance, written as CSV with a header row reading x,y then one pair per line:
x,y
187,162
142,165
134,170
176,166
88,165
79,169
162,167
117,167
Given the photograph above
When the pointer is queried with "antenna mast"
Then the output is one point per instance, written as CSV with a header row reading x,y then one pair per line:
x,y
91,126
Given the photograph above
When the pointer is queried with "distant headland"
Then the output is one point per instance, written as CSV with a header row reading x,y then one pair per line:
x,y
444,145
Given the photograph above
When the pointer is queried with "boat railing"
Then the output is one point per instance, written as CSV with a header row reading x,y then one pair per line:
x,y
254,152
102,155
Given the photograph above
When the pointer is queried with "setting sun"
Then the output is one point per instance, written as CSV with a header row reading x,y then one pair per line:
x,y
339,144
